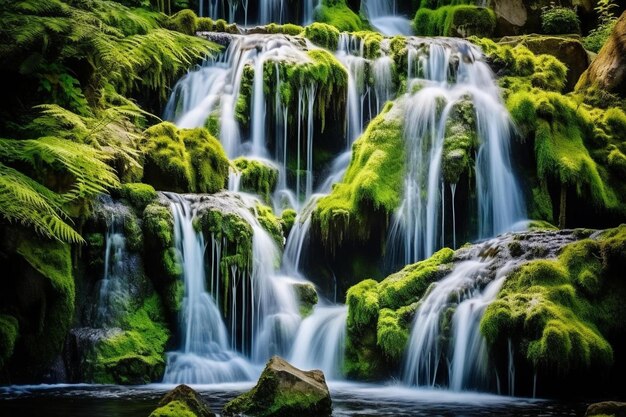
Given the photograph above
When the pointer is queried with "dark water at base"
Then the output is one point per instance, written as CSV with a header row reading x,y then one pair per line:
x,y
348,400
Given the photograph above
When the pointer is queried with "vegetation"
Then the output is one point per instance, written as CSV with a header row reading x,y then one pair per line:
x,y
558,20
337,13
460,21
598,36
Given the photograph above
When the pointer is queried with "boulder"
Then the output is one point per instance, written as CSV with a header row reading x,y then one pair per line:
x,y
182,401
608,70
516,17
567,49
283,390
607,408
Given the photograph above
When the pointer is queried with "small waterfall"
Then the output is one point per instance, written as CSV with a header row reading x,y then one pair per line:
x,y
320,342
205,355
452,73
269,11
113,294
383,16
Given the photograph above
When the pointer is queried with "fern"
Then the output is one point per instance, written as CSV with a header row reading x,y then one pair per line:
x,y
27,202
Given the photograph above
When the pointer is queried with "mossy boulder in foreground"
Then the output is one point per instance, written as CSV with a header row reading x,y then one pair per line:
x,y
283,390
182,401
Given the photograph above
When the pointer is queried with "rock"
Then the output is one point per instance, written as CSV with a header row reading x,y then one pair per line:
x,y
283,390
516,17
568,50
608,70
607,408
182,401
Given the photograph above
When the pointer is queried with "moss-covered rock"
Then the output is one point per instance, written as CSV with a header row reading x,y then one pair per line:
x,y
370,190
182,401
380,314
287,220
307,297
459,21
459,142
606,409
136,354
257,176
138,195
9,332
338,14
183,160
323,35
283,390
563,315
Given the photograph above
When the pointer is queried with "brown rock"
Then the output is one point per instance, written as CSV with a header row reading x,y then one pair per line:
x,y
283,390
608,70
567,49
607,408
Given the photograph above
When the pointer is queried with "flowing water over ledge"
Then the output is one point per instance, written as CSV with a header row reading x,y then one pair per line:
x,y
349,399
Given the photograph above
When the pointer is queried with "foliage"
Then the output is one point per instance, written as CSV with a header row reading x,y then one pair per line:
x,y
559,20
9,332
139,195
257,176
598,36
322,34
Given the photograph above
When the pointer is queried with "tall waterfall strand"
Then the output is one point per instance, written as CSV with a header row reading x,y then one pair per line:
x,y
418,227
204,356
269,11
384,17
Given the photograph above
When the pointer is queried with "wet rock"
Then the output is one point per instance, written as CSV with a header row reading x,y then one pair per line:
x,y
568,50
182,401
607,408
608,70
283,390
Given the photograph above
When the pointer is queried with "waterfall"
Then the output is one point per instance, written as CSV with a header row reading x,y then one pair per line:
x,y
320,342
452,74
204,356
383,16
269,11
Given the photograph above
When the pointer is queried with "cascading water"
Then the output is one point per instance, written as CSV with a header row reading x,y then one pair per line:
x,y
383,16
205,355
268,11
452,73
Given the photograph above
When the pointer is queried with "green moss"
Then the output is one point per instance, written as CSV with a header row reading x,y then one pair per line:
x,y
287,220
371,188
323,35
133,234
258,177
371,43
559,311
558,20
391,336
174,409
138,195
172,263
338,14
53,261
184,160
9,332
459,142
158,223
286,29
307,297
617,163
185,21
459,20
380,314
137,354
270,223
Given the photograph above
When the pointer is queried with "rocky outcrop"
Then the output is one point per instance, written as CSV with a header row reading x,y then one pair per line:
x,y
283,390
568,50
182,401
515,17
607,408
608,70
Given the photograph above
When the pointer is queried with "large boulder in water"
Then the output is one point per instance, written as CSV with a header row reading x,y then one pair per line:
x,y
608,70
606,408
567,49
182,401
283,390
